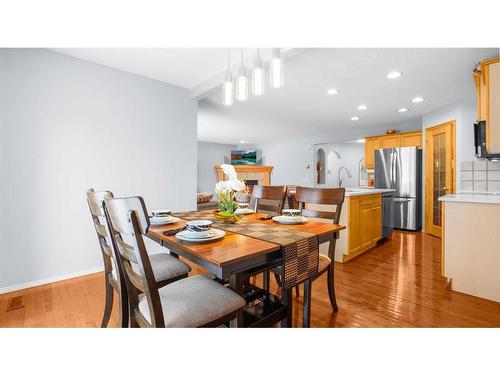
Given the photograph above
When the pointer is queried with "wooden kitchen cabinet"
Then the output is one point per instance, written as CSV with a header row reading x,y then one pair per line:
x,y
371,144
413,139
390,141
410,139
364,225
487,80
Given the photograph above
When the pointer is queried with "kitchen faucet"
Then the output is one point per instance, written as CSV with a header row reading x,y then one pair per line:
x,y
339,179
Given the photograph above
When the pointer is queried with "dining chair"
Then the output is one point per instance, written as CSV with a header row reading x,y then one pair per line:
x,y
268,198
166,268
305,197
195,301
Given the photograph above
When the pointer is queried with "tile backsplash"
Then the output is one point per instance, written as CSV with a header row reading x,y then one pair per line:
x,y
480,176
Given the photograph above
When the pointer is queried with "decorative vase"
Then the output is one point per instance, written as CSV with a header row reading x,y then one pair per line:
x,y
226,217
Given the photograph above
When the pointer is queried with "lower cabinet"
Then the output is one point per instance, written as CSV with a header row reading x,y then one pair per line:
x,y
364,224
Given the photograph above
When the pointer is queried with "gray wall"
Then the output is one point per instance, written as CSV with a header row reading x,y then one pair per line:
x,y
67,125
209,155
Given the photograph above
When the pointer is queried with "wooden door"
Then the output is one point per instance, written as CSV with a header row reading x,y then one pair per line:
x,y
439,173
371,144
366,224
390,141
411,140
354,224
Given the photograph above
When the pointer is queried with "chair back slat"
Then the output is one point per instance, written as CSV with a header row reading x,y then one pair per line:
x,y
315,196
101,229
125,250
95,200
129,221
269,198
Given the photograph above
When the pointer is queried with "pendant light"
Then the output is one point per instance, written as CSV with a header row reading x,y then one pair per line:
x,y
228,85
276,70
258,76
242,82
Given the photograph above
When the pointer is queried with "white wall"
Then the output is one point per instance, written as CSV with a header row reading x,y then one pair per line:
x,y
209,155
67,125
290,158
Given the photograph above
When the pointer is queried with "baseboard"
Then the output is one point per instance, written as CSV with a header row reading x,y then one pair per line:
x,y
49,280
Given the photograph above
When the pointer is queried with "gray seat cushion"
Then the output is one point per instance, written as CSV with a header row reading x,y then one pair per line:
x,y
164,267
194,301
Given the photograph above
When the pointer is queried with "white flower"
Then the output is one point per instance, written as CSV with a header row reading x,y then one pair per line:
x,y
236,185
229,171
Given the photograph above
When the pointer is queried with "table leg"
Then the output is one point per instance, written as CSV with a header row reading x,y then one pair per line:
x,y
287,300
236,283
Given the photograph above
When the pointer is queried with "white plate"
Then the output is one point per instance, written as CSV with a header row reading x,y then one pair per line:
x,y
290,219
243,211
164,221
217,234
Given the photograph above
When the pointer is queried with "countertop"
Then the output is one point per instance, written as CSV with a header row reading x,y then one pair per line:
x,y
487,198
352,192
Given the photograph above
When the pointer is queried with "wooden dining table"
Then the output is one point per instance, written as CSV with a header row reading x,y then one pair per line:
x,y
236,257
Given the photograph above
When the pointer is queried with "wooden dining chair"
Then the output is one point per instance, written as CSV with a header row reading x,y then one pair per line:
x,y
166,268
112,280
269,199
195,301
330,197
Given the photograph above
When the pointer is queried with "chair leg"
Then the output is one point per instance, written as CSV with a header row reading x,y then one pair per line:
x,y
331,288
297,290
278,280
108,305
306,306
265,282
124,310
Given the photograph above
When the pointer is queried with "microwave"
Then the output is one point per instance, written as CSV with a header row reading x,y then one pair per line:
x,y
480,142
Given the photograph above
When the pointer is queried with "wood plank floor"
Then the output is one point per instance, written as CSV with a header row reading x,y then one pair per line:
x,y
397,284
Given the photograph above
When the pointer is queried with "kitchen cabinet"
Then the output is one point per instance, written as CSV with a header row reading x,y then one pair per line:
x,y
487,80
364,226
371,144
413,139
410,139
390,141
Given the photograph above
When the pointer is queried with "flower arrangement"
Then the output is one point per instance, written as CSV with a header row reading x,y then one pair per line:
x,y
226,190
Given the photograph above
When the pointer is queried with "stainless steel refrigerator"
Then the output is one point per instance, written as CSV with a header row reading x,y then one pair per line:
x,y
401,169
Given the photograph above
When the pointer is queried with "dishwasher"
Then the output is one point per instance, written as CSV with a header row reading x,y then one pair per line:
x,y
387,222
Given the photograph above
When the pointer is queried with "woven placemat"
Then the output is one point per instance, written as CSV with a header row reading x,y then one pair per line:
x,y
300,249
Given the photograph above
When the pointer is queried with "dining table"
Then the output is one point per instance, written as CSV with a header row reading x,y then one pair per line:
x,y
236,257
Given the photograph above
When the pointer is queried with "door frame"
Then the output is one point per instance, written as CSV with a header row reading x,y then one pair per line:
x,y
428,174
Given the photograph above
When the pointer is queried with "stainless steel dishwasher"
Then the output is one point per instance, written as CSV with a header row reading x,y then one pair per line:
x,y
387,220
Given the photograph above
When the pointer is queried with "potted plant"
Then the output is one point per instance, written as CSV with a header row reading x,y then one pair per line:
x,y
226,191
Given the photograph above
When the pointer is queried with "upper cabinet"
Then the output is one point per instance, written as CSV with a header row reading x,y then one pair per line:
x,y
412,139
371,144
487,80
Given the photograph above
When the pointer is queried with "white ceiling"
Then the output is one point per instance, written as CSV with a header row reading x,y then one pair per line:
x,y
185,67
302,108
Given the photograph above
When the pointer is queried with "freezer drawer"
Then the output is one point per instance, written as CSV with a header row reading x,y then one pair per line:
x,y
405,213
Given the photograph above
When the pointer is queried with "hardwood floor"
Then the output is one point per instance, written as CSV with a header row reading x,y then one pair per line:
x,y
397,284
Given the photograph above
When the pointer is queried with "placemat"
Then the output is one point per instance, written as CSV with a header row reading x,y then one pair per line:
x,y
300,249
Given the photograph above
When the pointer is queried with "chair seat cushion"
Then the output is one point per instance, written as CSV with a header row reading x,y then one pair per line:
x,y
164,267
194,301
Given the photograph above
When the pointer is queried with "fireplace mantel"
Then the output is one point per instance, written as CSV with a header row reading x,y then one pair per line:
x,y
261,173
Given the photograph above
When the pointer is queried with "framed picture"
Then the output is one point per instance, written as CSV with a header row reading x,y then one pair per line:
x,y
243,157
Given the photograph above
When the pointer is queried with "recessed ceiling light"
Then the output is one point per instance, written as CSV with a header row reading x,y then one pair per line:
x,y
355,118
362,107
403,110
417,99
394,75
242,142
332,91
362,140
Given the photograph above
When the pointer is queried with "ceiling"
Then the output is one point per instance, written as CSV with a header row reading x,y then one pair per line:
x,y
302,108
185,67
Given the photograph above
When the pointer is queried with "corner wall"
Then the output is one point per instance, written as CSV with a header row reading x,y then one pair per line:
x,y
68,125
